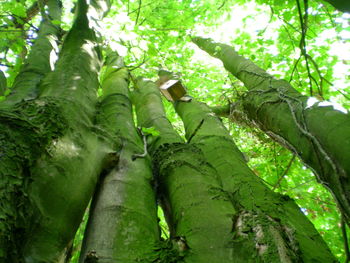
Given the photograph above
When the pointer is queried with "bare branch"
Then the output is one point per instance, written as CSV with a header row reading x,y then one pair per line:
x,y
138,12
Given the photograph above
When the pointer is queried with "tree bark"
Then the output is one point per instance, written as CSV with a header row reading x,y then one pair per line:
x,y
123,224
51,154
199,215
40,61
317,132
341,5
3,83
267,227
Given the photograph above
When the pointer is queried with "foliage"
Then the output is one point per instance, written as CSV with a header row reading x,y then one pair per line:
x,y
157,34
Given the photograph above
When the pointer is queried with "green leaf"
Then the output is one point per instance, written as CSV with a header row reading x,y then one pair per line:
x,y
150,130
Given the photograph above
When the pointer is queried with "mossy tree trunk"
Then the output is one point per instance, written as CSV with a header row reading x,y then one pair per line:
x,y
51,152
198,213
316,131
41,58
3,83
123,223
341,5
54,145
267,227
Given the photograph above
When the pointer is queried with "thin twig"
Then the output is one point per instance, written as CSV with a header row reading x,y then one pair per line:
x,y
171,28
284,173
139,65
137,9
342,93
31,12
6,65
222,5
295,187
321,201
143,21
294,68
271,17
144,154
138,12
16,17
13,30
288,24
302,45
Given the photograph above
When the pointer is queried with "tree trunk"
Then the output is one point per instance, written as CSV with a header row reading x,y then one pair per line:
x,y
267,227
40,61
51,154
123,223
341,5
3,83
199,215
316,131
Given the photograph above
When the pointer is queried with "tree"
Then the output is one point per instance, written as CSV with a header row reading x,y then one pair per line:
x,y
45,190
59,138
343,6
294,121
123,216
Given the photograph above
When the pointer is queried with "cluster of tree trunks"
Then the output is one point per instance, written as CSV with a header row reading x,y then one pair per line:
x,y
51,152
318,132
60,145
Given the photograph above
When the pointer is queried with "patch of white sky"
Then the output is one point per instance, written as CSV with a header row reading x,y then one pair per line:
x,y
340,49
119,29
68,14
250,19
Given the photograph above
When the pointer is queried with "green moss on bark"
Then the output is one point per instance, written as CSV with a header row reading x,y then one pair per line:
x,y
39,61
123,223
267,223
198,212
53,155
316,131
26,133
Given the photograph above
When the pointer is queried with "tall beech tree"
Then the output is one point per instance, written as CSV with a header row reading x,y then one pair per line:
x,y
212,172
51,154
123,223
40,60
316,131
199,218
68,137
